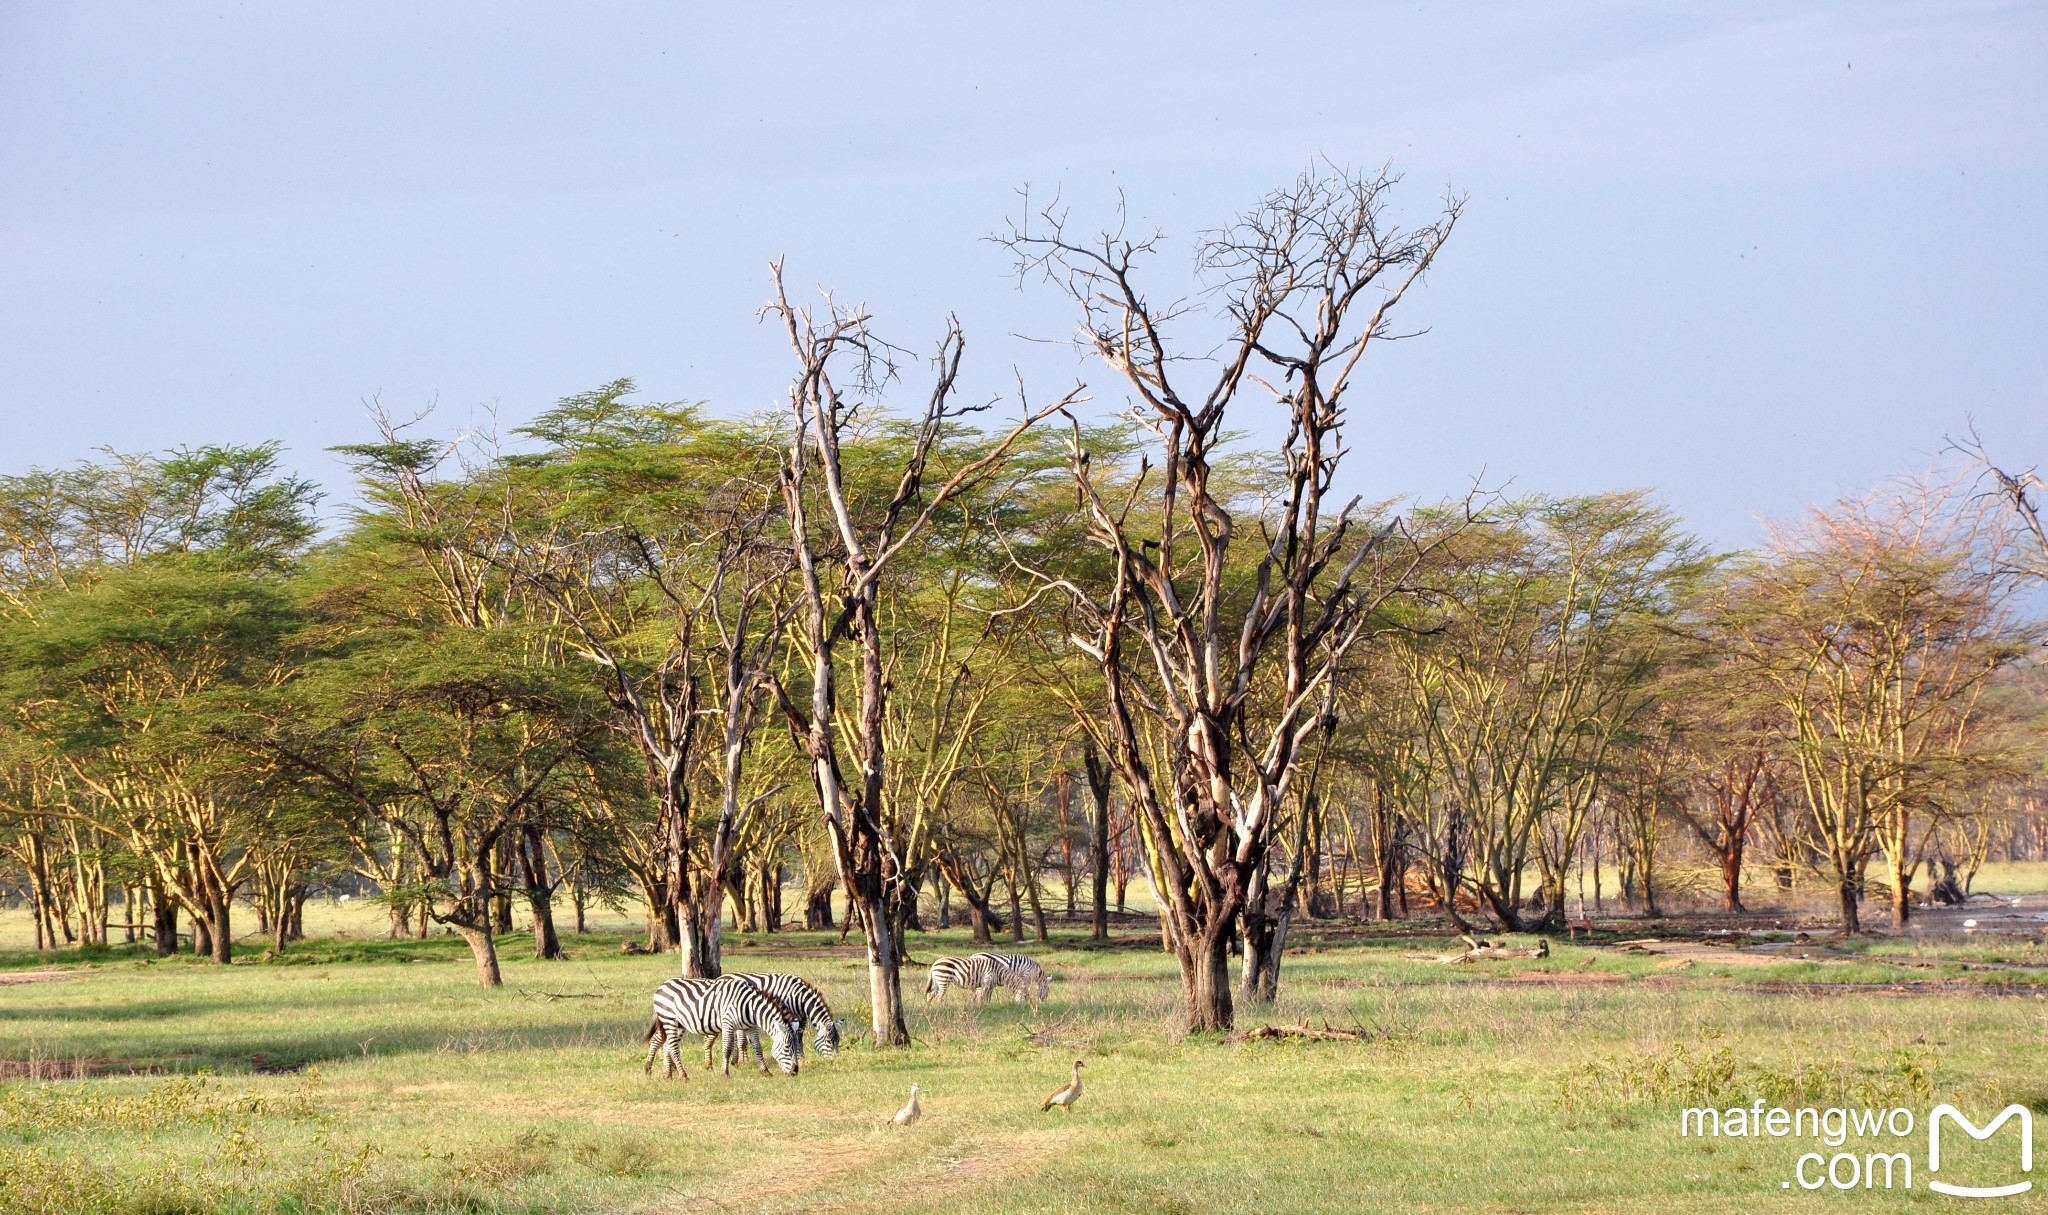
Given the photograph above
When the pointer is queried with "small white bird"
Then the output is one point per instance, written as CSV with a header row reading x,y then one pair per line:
x,y
910,1113
1065,1097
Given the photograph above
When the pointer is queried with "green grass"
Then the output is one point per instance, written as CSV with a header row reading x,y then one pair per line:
x,y
364,1075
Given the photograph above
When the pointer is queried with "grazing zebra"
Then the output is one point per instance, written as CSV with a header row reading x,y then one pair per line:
x,y
724,1009
984,972
801,1003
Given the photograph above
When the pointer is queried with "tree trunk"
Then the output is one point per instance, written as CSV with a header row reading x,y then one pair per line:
x,y
202,937
221,930
1205,979
1031,890
771,897
1902,889
164,910
540,896
818,908
1268,915
1731,878
1852,920
484,949
1098,774
701,939
885,974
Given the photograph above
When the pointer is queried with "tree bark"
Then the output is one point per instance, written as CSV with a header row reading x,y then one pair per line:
x,y
1205,979
1902,888
164,911
885,971
1268,915
533,867
221,929
485,950
1099,775
818,909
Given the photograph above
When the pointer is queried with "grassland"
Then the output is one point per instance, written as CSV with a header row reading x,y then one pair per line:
x,y
358,1074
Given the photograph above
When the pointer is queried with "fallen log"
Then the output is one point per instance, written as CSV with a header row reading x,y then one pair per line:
x,y
1480,950
1302,1033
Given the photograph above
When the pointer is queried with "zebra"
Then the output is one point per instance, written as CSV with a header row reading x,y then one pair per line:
x,y
803,1004
724,1009
984,972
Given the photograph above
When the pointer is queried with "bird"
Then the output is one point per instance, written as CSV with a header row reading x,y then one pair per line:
x,y
1066,1096
911,1112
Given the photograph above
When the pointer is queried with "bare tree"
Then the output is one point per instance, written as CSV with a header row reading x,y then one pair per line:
x,y
1307,280
866,540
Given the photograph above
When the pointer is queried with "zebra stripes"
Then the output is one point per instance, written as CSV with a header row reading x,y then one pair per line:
x,y
802,1003
984,972
725,1009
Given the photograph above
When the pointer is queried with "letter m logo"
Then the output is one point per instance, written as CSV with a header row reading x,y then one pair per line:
x,y
1970,1128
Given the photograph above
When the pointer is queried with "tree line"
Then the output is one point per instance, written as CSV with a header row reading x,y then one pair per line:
x,y
641,653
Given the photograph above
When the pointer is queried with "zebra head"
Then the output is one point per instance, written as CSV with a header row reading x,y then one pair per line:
x,y
786,1043
1044,985
827,1036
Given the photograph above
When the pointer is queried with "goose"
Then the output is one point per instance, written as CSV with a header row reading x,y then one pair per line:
x,y
1065,1097
909,1113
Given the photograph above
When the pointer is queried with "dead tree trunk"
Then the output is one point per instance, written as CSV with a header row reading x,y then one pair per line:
x,y
856,819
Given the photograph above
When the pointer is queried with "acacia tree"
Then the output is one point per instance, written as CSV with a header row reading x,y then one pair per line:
x,y
126,683
142,597
1236,676
1874,628
1730,766
430,700
647,530
842,366
1534,662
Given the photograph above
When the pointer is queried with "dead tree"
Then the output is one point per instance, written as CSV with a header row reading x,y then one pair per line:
x,y
864,541
1236,679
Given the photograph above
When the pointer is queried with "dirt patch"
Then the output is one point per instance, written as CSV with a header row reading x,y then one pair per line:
x,y
20,977
1017,1154
1565,978
806,1168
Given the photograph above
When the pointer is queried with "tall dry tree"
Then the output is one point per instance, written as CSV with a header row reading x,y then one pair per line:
x,y
1231,659
865,539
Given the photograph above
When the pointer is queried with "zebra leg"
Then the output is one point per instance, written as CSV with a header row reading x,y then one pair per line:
x,y
672,1055
655,1039
708,1040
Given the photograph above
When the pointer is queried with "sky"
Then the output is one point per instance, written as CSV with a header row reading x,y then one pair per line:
x,y
1753,256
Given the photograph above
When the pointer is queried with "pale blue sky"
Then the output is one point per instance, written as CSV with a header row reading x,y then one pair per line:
x,y
1752,255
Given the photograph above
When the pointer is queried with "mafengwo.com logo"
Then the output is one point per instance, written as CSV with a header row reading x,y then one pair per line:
x,y
1980,1176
